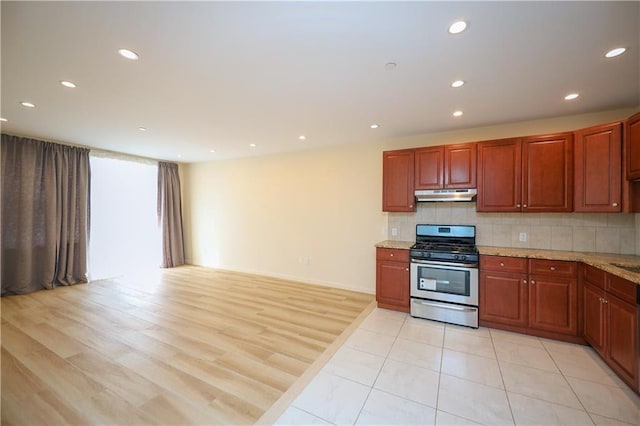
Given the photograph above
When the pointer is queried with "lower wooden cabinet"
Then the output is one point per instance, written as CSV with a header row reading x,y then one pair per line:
x,y
593,322
503,298
531,296
392,279
611,322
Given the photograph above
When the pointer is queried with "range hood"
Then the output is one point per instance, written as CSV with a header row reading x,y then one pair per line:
x,y
427,195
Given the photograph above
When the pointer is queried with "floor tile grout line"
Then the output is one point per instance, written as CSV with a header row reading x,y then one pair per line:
x,y
506,393
379,371
568,383
444,334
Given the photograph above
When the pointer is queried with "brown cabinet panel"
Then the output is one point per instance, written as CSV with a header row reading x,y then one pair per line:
x,y
619,287
559,268
598,169
392,279
547,173
503,298
397,181
460,166
499,175
593,308
517,265
593,275
553,304
429,168
632,150
622,342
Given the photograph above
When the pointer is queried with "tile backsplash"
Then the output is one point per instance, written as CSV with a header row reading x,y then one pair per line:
x,y
590,232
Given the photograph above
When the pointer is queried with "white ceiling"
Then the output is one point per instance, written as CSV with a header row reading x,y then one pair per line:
x,y
217,75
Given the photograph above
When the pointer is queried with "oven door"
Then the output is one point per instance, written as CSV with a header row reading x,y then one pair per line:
x,y
447,283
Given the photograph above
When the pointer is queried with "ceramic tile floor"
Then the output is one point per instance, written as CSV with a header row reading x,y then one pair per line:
x,y
399,370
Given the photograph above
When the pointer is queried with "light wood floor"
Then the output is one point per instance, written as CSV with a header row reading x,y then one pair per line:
x,y
187,345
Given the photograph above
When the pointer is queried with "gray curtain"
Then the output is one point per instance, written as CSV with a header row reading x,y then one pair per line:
x,y
170,215
45,214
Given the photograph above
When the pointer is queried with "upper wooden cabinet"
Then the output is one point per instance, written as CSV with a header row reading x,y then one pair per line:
x,y
397,181
499,176
547,173
429,167
448,166
633,147
533,174
597,167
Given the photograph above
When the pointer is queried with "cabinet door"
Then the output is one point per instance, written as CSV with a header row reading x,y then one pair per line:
x,y
397,181
503,298
598,169
633,147
547,173
460,166
392,284
553,304
622,342
430,168
499,176
593,306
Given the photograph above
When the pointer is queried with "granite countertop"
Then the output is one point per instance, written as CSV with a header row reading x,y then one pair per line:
x,y
604,261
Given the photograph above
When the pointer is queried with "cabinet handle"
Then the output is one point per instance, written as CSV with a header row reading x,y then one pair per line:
x,y
407,269
410,206
524,205
524,281
605,301
533,282
553,268
501,263
518,205
615,204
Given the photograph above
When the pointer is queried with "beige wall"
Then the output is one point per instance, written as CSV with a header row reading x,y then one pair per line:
x,y
273,214
309,216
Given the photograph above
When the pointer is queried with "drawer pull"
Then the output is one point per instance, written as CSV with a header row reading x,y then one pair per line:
x,y
553,268
501,263
391,254
615,204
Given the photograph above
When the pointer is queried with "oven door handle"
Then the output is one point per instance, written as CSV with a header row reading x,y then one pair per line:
x,y
444,264
443,306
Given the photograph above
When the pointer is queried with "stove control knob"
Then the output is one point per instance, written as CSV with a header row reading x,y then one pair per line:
x,y
463,257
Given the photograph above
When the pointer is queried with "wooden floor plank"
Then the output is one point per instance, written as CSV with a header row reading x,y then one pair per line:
x,y
188,345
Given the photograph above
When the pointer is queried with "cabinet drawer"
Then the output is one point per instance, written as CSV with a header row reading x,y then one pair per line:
x,y
504,264
594,275
553,267
399,255
625,290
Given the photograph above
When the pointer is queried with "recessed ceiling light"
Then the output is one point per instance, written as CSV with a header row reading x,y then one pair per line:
x,y
457,27
457,114
390,65
374,126
142,129
4,120
571,96
179,155
302,137
212,150
69,84
252,145
129,54
457,83
615,52
27,104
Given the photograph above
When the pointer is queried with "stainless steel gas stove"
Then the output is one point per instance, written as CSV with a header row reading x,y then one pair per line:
x,y
444,274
